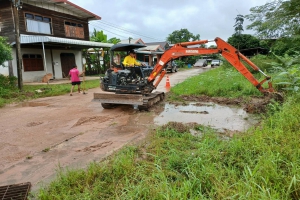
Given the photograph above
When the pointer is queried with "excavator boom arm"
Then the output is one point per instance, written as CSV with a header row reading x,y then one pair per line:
x,y
231,54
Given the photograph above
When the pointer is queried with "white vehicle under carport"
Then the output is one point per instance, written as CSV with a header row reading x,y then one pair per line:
x,y
215,63
201,63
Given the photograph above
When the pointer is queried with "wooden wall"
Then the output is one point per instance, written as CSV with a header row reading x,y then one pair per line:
x,y
6,21
58,21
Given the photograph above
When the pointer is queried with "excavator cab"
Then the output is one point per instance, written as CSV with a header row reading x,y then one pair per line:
x,y
121,80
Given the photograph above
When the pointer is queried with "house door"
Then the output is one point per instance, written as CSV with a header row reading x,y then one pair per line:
x,y
67,62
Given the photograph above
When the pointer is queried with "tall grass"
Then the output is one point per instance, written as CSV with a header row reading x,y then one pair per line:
x,y
223,81
263,163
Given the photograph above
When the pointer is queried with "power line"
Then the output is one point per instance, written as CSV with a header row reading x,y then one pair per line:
x,y
112,26
124,29
127,30
139,35
107,30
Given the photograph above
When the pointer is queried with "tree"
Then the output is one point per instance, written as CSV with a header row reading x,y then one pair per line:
x,y
244,41
98,36
5,51
114,40
238,26
94,58
275,19
183,35
289,46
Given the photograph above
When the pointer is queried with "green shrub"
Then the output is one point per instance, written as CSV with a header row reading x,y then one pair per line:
x,y
288,72
8,82
8,88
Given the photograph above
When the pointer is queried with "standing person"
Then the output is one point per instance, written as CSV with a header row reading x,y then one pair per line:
x,y
75,80
130,61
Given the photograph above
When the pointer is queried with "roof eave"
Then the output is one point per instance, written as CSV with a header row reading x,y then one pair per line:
x,y
93,16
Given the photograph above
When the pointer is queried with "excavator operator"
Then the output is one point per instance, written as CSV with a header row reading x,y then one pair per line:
x,y
130,63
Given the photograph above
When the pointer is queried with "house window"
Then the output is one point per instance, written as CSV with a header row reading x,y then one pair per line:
x,y
33,62
38,24
74,30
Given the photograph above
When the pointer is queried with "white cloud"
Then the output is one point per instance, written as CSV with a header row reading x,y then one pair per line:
x,y
158,18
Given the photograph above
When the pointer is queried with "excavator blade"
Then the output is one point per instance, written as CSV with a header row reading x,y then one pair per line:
x,y
142,102
112,98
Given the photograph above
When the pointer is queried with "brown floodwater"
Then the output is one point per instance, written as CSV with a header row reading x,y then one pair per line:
x,y
209,114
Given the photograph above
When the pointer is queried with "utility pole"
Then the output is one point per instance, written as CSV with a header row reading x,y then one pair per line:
x,y
16,6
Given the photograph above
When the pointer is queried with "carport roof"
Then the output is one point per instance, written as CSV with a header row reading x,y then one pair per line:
x,y
150,52
31,39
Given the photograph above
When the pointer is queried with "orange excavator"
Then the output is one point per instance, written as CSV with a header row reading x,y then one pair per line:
x,y
122,90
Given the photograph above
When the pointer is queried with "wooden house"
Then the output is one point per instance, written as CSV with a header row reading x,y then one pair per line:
x,y
52,36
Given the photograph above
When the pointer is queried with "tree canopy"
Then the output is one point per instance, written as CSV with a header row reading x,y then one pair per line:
x,y
5,51
279,18
238,26
98,36
114,40
183,35
243,41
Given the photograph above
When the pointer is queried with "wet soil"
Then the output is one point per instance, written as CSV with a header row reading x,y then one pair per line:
x,y
250,105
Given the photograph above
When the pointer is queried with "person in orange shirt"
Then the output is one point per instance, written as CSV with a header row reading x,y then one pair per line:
x,y
130,63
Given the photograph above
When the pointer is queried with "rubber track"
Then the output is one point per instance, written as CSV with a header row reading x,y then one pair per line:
x,y
151,99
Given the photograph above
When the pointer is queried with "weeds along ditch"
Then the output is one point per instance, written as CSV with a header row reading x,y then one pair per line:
x,y
172,163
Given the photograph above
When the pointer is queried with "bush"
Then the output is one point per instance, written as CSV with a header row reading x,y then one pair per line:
x,y
8,82
7,88
263,62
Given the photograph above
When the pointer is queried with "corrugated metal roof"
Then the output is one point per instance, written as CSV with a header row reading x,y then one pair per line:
x,y
150,52
28,39
152,48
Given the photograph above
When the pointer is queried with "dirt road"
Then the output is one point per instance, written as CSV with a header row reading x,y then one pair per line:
x,y
39,136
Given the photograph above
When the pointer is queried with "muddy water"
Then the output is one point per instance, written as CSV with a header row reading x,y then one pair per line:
x,y
210,114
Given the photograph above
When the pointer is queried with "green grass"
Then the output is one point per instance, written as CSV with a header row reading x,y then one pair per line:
x,y
221,82
263,163
29,91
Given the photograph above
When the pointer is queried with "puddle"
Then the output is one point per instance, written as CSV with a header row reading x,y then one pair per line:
x,y
208,114
32,104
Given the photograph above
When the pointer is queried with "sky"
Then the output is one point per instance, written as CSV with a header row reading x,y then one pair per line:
x,y
154,20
